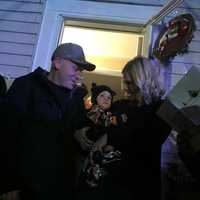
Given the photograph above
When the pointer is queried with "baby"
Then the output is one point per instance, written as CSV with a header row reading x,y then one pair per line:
x,y
99,119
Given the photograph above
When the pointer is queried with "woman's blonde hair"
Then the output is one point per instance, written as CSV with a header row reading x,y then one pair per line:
x,y
146,77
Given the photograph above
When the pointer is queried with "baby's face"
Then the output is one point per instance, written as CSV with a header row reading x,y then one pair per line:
x,y
104,100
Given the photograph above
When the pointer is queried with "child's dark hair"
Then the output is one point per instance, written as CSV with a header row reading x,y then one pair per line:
x,y
97,89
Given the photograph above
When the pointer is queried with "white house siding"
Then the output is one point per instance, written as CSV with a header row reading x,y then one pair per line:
x,y
132,2
20,22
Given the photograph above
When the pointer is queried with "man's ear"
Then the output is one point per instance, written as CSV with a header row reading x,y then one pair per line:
x,y
57,63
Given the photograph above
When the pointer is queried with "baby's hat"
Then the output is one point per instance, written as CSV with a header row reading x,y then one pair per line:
x,y
97,89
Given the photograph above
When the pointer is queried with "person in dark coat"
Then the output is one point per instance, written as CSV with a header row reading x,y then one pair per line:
x,y
139,140
42,111
3,87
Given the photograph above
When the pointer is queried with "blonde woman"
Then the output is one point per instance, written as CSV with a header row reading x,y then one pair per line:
x,y
140,140
143,82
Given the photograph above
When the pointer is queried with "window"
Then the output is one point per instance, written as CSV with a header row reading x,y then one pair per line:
x,y
107,48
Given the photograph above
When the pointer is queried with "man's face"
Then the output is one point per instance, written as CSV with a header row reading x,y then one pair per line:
x,y
69,74
104,100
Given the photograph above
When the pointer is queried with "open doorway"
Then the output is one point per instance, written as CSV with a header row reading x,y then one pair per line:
x,y
109,47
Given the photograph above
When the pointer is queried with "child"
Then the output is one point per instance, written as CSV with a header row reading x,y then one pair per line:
x,y
94,139
99,115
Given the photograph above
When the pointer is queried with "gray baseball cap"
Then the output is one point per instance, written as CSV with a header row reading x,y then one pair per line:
x,y
74,53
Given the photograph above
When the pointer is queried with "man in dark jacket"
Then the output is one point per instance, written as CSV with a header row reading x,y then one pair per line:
x,y
3,87
41,112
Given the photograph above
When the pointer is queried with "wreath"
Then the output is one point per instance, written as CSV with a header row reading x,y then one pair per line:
x,y
174,38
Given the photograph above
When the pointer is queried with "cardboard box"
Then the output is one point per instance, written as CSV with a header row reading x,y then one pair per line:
x,y
181,109
179,119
